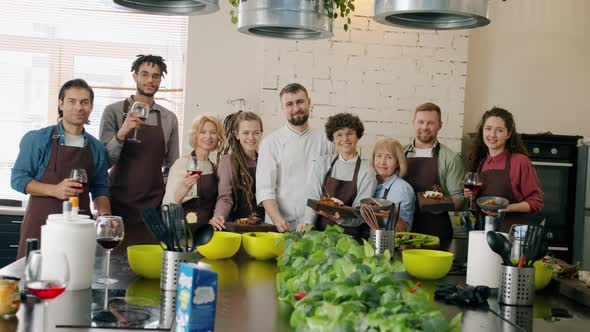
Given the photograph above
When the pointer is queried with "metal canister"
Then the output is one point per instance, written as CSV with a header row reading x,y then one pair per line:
x,y
9,296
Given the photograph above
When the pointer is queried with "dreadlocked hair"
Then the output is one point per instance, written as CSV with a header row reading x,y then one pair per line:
x,y
514,144
153,59
243,182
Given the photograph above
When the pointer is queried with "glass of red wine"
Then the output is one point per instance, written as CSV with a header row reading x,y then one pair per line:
x,y
140,110
193,167
110,231
471,182
79,175
46,276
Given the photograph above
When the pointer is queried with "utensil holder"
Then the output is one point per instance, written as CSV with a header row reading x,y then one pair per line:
x,y
383,240
517,286
170,264
167,308
522,317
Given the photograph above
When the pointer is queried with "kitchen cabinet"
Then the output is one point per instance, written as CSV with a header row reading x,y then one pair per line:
x,y
9,235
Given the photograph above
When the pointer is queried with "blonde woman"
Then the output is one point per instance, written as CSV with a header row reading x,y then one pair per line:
x,y
390,165
206,136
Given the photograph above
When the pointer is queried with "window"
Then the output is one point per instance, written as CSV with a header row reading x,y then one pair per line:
x,y
43,44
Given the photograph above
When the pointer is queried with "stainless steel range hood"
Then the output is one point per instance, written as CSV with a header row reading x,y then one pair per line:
x,y
172,7
286,19
432,14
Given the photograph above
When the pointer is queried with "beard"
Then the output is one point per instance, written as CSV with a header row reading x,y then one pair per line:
x,y
426,139
300,121
143,93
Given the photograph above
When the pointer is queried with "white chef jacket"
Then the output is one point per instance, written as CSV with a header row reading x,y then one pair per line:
x,y
284,163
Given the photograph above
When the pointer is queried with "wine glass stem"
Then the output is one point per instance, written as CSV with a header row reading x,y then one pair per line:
x,y
195,192
108,264
45,316
135,134
106,298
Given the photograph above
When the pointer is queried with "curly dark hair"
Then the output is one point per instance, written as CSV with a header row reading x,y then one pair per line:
x,y
479,150
344,120
153,59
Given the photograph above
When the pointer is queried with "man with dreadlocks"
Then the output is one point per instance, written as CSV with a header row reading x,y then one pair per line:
x,y
136,178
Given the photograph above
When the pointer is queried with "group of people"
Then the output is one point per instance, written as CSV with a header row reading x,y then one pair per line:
x,y
251,177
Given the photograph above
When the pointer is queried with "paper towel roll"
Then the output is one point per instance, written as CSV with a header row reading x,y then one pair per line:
x,y
483,265
77,240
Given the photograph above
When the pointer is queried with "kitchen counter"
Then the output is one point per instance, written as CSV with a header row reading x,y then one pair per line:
x,y
247,302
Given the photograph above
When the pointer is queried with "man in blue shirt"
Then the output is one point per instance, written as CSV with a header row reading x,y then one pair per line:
x,y
47,157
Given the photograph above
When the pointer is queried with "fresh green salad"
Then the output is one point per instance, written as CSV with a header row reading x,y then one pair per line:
x,y
335,284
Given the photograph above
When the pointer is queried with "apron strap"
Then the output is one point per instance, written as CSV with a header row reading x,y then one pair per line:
x,y
328,174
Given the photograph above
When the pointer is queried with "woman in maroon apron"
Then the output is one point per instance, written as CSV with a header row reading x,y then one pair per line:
x,y
237,199
206,137
344,130
390,165
501,159
136,180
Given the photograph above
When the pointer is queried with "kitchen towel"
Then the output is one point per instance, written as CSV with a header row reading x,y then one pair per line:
x,y
483,265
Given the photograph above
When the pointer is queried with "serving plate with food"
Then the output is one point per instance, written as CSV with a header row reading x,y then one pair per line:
x,y
434,200
331,205
377,204
491,203
405,240
250,224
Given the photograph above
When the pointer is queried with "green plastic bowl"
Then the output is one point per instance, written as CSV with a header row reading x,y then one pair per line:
x,y
543,275
263,245
145,260
222,245
427,264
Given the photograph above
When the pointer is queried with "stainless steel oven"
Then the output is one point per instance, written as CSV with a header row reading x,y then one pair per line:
x,y
555,158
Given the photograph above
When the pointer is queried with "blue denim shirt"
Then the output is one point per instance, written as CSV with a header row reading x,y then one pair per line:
x,y
34,154
400,191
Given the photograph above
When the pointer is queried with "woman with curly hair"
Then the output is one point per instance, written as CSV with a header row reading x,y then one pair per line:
x,y
206,137
237,170
344,176
504,168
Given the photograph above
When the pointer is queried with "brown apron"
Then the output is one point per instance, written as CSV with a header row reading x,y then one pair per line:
x,y
136,181
203,205
422,175
383,220
61,161
496,182
241,208
346,192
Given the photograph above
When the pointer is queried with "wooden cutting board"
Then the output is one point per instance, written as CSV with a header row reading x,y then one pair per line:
x,y
575,290
434,205
245,228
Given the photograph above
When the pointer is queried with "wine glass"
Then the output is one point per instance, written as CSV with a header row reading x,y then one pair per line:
x,y
79,175
194,167
141,111
46,276
109,234
471,182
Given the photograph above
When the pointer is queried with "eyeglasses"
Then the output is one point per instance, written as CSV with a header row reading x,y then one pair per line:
x,y
145,75
348,134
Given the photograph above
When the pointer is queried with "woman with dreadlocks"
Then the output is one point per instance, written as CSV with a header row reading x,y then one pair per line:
x,y
237,170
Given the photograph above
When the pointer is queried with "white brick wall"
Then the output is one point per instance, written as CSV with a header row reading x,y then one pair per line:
x,y
379,72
